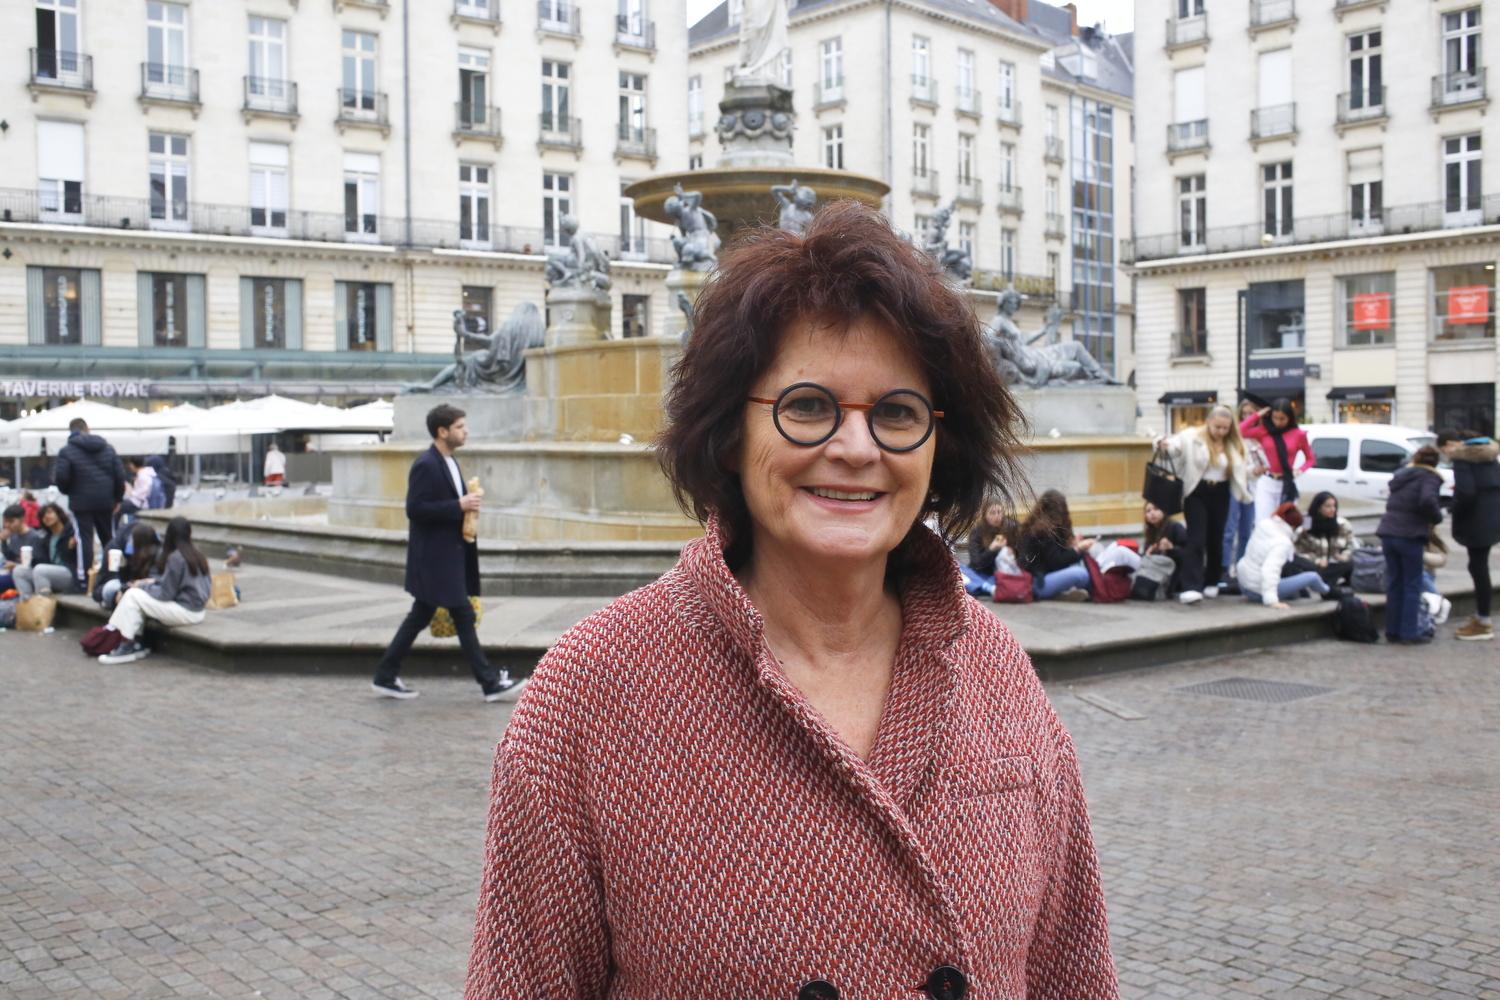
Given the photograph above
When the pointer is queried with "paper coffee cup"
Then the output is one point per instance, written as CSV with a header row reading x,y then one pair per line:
x,y
116,557
26,555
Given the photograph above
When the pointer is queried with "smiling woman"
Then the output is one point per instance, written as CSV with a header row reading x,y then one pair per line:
x,y
804,763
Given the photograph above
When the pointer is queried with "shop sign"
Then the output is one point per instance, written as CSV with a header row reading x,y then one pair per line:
x,y
1277,373
1469,304
30,388
1372,311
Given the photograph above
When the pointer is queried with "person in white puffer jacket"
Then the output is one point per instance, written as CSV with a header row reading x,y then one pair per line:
x,y
1270,548
1212,463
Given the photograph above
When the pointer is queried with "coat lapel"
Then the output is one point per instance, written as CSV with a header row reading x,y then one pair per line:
x,y
443,473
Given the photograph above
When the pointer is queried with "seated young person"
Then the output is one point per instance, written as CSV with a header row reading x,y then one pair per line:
x,y
138,547
175,596
54,564
1328,540
990,550
1270,549
1051,552
13,535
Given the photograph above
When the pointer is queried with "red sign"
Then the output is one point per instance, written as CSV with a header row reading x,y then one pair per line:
x,y
1372,311
1469,304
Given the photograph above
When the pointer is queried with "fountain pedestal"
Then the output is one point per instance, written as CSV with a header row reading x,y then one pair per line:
x,y
579,316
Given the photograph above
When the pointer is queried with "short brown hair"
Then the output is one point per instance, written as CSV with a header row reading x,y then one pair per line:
x,y
443,415
850,265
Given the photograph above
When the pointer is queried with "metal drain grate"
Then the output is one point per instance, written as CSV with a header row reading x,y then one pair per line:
x,y
1250,689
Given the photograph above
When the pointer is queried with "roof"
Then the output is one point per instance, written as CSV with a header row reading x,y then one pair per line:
x,y
1095,58
715,23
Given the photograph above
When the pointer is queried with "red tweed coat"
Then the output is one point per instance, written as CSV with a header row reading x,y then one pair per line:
x,y
671,818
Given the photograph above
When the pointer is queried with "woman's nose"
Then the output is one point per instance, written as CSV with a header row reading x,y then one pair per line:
x,y
852,442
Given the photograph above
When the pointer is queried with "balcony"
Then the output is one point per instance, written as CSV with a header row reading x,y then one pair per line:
x,y
970,192
61,72
269,98
1458,90
966,101
1033,286
1183,31
1361,107
165,84
1341,7
553,17
1271,14
560,132
480,122
924,183
636,142
635,34
1393,221
1272,123
1010,114
1056,223
1054,149
485,12
695,125
383,6
827,93
1187,137
1010,199
362,109
924,90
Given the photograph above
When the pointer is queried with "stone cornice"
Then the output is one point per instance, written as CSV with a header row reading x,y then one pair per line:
x,y
1332,250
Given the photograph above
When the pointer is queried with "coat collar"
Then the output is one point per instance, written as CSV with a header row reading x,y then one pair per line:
x,y
442,464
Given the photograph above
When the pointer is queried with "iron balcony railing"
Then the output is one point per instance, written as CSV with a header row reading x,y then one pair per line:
x,y
166,82
1186,30
967,100
558,18
268,94
1264,13
1395,221
1010,114
969,191
1278,119
1458,88
1055,223
924,89
828,91
113,212
476,119
632,141
1054,149
695,125
563,131
924,183
363,106
1182,136
1010,198
1037,286
1358,105
60,68
478,10
634,33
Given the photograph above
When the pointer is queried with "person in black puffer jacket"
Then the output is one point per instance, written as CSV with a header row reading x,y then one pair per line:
x,y
1476,515
164,476
92,476
1050,551
1411,510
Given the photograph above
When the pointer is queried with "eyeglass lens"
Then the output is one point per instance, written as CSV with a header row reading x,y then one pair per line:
x,y
809,415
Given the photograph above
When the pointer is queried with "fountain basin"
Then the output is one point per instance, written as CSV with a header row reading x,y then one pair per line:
x,y
741,196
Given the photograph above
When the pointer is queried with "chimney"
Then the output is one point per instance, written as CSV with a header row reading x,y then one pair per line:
x,y
1072,9
1016,10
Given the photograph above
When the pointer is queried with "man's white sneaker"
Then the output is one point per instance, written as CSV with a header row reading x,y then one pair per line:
x,y
1190,596
395,689
1210,591
507,689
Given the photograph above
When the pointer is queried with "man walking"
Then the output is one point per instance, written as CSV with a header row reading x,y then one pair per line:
x,y
442,570
93,477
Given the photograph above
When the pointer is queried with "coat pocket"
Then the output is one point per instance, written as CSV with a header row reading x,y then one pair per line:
x,y
974,778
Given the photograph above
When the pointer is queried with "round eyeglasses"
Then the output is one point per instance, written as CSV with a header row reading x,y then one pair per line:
x,y
807,414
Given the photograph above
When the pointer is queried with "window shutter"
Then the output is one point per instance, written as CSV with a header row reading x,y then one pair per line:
x,y
383,318
36,307
293,314
144,311
247,313
92,306
340,315
197,311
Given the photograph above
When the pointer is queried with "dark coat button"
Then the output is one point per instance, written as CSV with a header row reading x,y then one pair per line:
x,y
946,983
818,989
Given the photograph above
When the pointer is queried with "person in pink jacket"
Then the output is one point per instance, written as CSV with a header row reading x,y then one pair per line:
x,y
804,763
1275,429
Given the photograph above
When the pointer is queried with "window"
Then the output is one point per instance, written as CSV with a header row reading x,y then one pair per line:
x,y
1054,271
166,44
1189,109
695,162
1054,198
632,18
477,302
557,201
1007,166
1331,453
1275,317
1365,87
171,305
1276,184
1381,456
169,178
695,105
921,61
268,187
1464,302
1192,326
1366,197
632,226
831,70
362,195
1465,405
1461,55
555,85
1008,253
57,41
1007,95
362,315
268,63
921,148
1192,211
59,168
1189,8
1050,121
62,307
474,205
921,222
1369,309
833,147
271,313
965,158
473,87
964,67
635,317
1461,186
966,238
1276,111
359,71
632,107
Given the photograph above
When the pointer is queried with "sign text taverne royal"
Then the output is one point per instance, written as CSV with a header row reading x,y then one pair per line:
x,y
26,388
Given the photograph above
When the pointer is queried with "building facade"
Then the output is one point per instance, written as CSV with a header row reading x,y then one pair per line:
x,y
225,198
1004,111
1313,211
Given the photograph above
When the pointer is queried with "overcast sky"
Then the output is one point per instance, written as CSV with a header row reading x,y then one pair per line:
x,y
1118,15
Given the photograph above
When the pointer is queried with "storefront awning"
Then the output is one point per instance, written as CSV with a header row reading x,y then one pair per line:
x,y
1189,398
1360,393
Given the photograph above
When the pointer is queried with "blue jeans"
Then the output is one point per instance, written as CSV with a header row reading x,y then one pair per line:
x,y
1429,584
1054,583
1403,585
977,583
1290,585
1237,531
7,582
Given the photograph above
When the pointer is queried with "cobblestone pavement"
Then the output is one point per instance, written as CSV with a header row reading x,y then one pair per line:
x,y
167,831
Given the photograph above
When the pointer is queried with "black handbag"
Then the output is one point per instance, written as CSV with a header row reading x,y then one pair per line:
x,y
1163,489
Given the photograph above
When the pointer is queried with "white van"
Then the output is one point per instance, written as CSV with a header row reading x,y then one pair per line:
x,y
1356,461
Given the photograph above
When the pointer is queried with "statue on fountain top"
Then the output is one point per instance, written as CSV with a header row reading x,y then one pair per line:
x,y
499,366
1055,363
697,247
579,264
796,206
763,38
954,260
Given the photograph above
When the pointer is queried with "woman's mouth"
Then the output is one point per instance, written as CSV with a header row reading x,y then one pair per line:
x,y
828,494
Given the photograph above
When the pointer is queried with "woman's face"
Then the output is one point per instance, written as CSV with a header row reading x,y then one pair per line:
x,y
49,519
1218,427
1279,419
1153,514
845,500
1330,508
994,515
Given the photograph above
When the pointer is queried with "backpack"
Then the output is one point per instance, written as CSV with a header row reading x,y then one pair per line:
x,y
99,640
1013,588
1153,579
157,498
1352,620
1368,576
8,613
1108,586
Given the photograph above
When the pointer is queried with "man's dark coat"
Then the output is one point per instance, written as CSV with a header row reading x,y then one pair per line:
x,y
89,472
441,568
